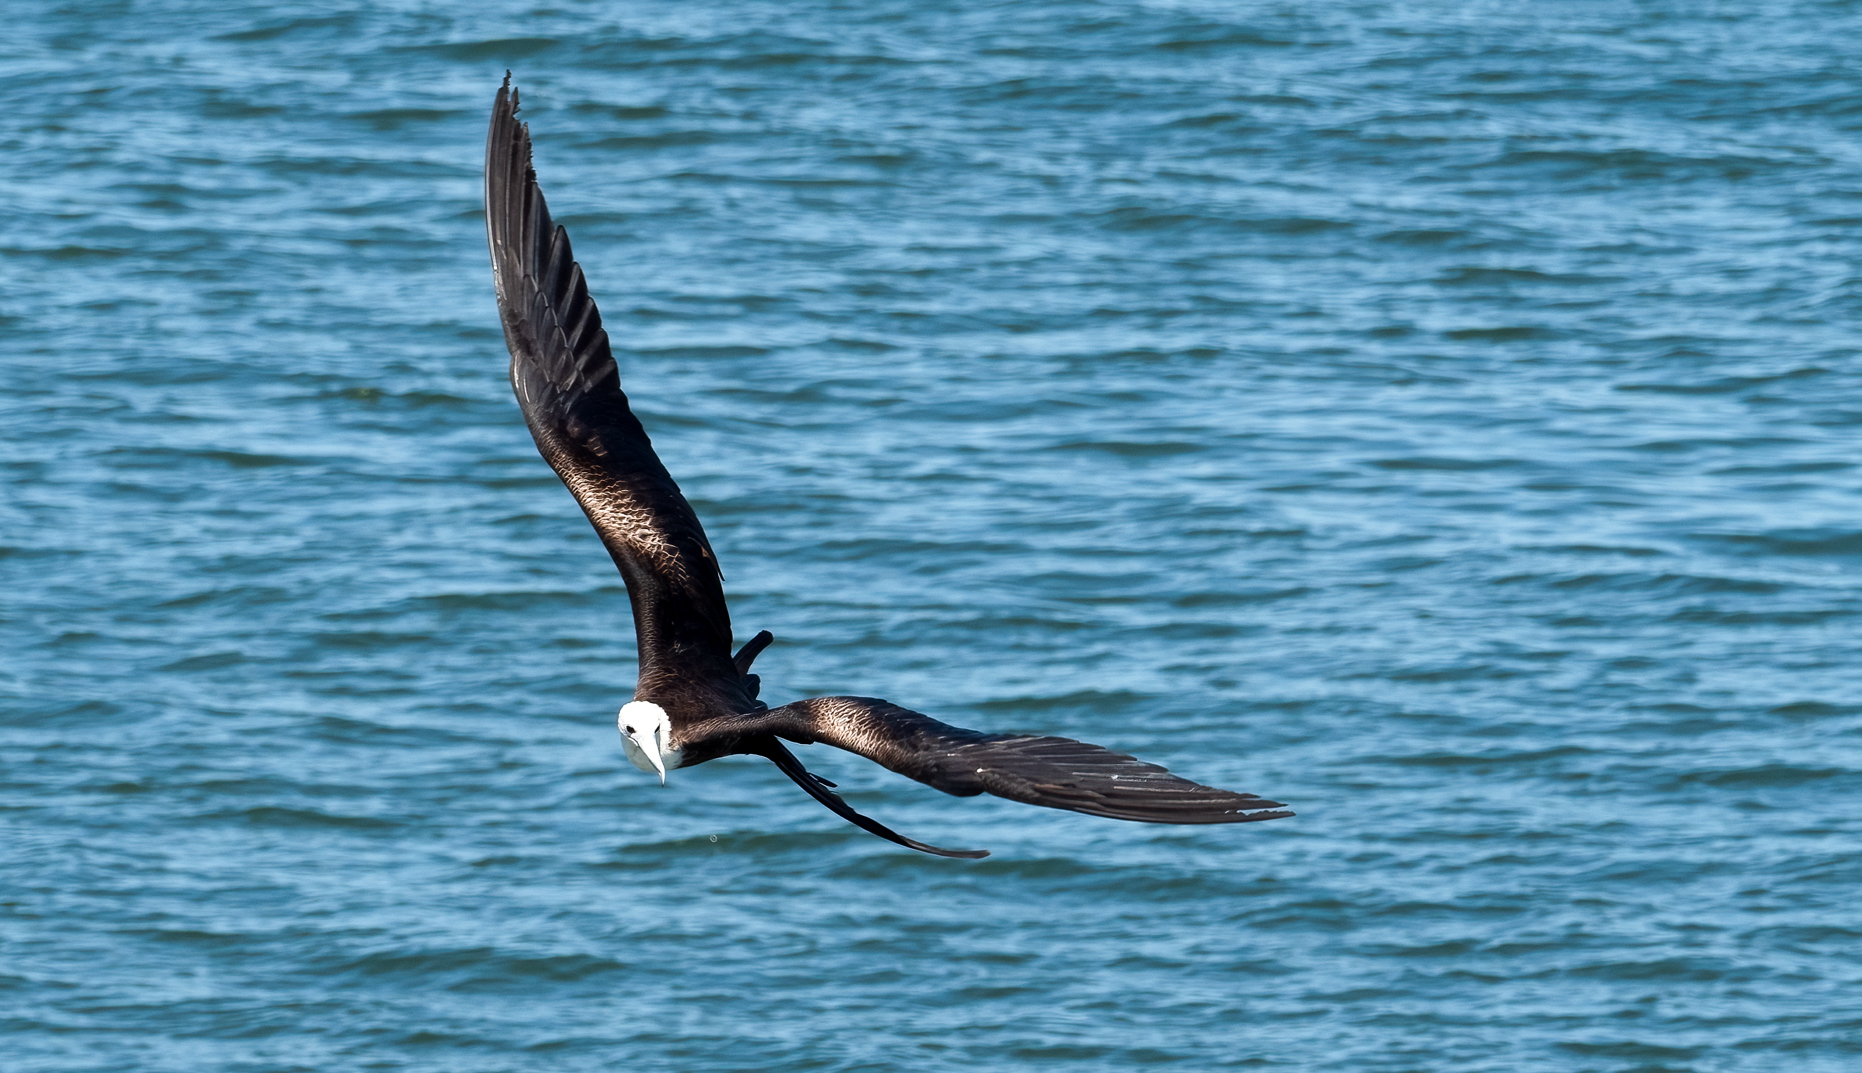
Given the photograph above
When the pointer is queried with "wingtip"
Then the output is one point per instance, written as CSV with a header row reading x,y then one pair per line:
x,y
506,104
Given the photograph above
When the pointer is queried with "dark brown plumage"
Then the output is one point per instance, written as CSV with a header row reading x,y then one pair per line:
x,y
566,382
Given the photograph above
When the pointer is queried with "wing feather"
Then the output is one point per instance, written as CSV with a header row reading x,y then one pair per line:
x,y
565,379
1036,770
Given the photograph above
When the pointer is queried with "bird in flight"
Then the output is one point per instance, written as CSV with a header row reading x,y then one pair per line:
x,y
695,701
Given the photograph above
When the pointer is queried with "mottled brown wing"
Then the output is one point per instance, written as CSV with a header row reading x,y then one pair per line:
x,y
1052,772
566,381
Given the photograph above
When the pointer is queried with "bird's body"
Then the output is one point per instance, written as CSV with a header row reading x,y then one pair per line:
x,y
695,701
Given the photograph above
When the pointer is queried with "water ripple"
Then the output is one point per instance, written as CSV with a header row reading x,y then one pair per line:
x,y
1438,417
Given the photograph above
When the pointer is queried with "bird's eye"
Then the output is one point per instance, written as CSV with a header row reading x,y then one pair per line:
x,y
630,730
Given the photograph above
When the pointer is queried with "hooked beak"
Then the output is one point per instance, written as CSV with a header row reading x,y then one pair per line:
x,y
653,754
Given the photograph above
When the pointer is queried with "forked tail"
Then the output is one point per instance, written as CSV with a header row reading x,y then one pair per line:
x,y
819,789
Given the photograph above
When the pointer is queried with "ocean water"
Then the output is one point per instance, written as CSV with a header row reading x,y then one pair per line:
x,y
1440,416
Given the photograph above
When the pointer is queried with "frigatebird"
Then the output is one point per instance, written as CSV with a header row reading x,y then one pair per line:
x,y
694,700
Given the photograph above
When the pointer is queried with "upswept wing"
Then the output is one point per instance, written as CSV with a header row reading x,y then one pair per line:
x,y
566,381
1051,772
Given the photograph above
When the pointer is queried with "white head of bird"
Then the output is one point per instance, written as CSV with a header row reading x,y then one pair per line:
x,y
646,734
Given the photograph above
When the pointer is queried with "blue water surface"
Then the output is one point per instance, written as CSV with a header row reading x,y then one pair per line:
x,y
1441,416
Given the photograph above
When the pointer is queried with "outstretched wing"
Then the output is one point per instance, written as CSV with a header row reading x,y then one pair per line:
x,y
1052,772
570,391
